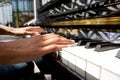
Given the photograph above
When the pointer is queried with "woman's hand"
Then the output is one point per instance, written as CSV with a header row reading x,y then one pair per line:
x,y
28,30
4,30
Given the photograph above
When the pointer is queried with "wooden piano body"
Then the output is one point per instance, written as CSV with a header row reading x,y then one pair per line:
x,y
95,26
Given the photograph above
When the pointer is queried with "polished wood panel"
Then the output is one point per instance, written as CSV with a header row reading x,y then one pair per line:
x,y
93,21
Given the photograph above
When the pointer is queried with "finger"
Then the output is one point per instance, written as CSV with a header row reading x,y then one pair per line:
x,y
57,40
29,33
33,33
51,35
66,42
60,39
38,29
52,48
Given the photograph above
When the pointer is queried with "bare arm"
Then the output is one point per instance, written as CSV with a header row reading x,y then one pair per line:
x,y
4,30
31,48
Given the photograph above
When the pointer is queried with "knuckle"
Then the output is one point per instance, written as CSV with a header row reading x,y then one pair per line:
x,y
55,47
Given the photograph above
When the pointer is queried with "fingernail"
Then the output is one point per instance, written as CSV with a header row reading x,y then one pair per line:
x,y
73,41
71,45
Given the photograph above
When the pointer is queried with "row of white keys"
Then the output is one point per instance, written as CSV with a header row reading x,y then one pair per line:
x,y
84,56
88,62
96,63
74,61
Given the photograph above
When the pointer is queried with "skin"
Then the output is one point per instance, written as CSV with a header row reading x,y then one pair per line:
x,y
21,31
32,48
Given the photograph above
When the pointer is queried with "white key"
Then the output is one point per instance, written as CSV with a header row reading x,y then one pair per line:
x,y
64,57
80,66
92,72
111,71
71,61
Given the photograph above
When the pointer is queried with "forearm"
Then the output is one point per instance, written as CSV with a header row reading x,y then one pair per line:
x,y
11,53
16,52
6,53
4,30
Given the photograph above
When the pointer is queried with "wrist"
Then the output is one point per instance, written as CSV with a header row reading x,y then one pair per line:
x,y
6,30
13,31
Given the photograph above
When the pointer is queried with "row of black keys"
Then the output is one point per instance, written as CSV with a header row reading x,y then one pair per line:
x,y
98,45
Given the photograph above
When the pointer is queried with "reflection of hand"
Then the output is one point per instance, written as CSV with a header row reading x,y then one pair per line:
x,y
28,49
28,30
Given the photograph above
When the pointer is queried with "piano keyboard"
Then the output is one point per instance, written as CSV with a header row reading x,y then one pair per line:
x,y
86,19
91,64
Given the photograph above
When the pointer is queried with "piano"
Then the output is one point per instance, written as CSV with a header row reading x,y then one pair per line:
x,y
95,27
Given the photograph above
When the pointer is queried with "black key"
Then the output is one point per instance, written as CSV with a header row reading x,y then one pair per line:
x,y
73,37
83,42
93,44
118,54
107,46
